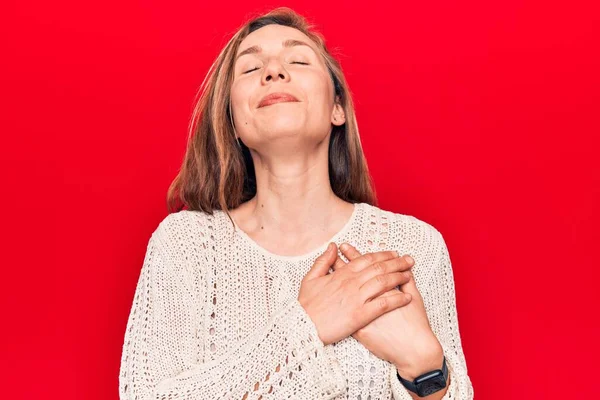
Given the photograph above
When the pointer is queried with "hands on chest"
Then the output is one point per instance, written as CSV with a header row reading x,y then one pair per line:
x,y
361,298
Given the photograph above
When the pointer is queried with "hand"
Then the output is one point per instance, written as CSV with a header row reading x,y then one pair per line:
x,y
342,302
402,336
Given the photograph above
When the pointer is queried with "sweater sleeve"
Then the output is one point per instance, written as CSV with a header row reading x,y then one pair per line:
x,y
440,304
283,359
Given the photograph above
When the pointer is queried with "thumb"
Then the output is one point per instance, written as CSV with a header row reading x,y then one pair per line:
x,y
322,263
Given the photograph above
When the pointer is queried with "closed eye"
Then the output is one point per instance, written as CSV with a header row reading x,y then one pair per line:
x,y
293,62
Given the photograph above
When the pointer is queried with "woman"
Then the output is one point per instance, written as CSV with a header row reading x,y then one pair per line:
x,y
244,294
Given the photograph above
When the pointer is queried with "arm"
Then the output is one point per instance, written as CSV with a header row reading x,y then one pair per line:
x,y
440,302
164,333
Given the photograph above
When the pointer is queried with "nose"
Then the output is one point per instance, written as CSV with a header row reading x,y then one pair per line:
x,y
274,71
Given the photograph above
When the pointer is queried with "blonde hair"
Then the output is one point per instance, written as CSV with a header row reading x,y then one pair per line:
x,y
218,174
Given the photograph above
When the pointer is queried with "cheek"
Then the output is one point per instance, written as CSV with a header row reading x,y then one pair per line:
x,y
243,119
240,96
318,90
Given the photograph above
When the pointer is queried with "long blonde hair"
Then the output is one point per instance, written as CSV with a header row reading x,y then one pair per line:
x,y
218,174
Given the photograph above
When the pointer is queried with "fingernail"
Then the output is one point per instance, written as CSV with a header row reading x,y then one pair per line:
x,y
409,260
396,253
344,246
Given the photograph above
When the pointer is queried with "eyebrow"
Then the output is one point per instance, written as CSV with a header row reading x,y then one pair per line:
x,y
287,43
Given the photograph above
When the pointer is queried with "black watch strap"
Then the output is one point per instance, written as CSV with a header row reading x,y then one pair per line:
x,y
427,383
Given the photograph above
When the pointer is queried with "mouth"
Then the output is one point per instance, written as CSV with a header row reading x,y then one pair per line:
x,y
278,97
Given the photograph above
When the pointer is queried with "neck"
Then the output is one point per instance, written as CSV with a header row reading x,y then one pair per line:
x,y
294,195
295,216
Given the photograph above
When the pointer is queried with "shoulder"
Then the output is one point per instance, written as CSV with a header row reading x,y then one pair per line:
x,y
411,235
187,235
176,227
407,227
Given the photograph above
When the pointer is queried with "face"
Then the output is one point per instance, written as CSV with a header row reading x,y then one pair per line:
x,y
292,68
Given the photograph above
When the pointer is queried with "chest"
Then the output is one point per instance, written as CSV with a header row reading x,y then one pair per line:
x,y
241,294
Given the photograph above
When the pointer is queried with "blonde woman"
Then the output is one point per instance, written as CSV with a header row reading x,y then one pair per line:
x,y
244,293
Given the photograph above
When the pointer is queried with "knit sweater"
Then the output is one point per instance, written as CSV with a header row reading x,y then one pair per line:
x,y
216,316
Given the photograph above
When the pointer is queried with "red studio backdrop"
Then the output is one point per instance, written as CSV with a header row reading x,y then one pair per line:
x,y
480,118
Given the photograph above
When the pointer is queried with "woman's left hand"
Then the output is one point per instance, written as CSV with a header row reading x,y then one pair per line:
x,y
402,336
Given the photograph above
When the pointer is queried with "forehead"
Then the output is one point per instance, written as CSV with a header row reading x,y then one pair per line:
x,y
272,37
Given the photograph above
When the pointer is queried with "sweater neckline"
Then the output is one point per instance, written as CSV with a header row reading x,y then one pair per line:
x,y
311,254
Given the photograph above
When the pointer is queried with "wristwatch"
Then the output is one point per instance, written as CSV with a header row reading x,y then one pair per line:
x,y
427,383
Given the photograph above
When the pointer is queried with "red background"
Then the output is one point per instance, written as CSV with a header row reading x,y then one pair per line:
x,y
480,118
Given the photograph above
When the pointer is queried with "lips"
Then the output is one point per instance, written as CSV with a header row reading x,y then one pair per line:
x,y
276,97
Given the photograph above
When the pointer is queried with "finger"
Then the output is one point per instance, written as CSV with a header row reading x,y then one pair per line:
x,y
360,262
383,304
390,292
322,263
397,264
411,286
382,283
349,251
339,263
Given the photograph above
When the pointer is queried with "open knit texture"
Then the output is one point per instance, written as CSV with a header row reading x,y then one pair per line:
x,y
216,316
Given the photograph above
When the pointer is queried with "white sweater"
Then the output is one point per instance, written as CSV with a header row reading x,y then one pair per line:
x,y
214,315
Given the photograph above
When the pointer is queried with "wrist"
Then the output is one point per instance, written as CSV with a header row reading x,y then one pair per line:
x,y
430,363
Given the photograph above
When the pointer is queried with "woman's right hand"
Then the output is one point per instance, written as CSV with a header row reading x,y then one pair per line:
x,y
348,299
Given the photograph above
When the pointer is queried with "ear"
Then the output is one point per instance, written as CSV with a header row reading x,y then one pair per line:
x,y
338,117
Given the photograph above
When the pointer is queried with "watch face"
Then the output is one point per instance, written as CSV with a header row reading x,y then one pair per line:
x,y
431,386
